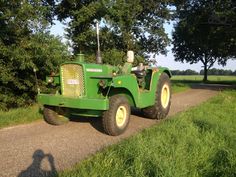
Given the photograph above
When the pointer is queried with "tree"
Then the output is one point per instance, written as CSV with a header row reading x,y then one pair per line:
x,y
202,36
126,25
24,45
185,72
219,72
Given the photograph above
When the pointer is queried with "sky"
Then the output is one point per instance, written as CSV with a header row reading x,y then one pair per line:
x,y
162,60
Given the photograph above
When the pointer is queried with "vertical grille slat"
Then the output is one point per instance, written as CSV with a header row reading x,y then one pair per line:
x,y
72,80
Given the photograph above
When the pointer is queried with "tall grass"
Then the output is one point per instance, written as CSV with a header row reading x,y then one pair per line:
x,y
198,142
19,116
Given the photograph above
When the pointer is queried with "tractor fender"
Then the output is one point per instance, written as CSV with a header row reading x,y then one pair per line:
x,y
126,85
122,91
168,72
155,77
147,98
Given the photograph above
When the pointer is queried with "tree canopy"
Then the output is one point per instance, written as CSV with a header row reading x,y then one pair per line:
x,y
125,25
205,32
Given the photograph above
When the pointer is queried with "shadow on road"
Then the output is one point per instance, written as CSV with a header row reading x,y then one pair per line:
x,y
95,122
35,169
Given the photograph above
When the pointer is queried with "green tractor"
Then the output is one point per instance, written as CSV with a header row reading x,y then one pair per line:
x,y
106,91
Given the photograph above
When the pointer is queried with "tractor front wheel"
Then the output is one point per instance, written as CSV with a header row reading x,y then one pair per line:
x,y
116,119
55,115
163,99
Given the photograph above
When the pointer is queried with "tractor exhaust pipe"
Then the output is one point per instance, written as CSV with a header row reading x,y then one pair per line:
x,y
98,55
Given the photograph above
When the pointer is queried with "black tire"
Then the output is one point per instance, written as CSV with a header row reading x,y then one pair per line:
x,y
161,108
112,120
55,115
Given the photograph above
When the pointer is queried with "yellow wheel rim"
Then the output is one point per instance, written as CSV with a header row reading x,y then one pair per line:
x,y
121,115
165,95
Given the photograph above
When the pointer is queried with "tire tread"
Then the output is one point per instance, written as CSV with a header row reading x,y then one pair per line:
x,y
157,111
108,118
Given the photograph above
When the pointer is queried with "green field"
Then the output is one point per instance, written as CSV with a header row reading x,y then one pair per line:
x,y
211,79
183,83
198,142
179,86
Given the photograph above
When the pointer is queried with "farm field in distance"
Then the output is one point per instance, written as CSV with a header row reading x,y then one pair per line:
x,y
182,83
197,142
211,79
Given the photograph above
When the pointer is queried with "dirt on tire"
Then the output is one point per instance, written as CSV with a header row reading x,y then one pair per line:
x,y
55,148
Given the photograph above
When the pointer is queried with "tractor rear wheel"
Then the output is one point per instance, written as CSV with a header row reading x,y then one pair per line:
x,y
116,119
163,99
55,115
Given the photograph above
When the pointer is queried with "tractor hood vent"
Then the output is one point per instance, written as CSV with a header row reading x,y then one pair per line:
x,y
72,80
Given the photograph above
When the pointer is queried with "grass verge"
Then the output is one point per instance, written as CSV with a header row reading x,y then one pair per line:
x,y
19,116
179,87
198,142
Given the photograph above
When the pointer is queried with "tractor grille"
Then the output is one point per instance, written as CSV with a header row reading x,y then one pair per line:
x,y
72,80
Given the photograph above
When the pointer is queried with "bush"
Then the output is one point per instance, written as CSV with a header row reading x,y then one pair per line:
x,y
41,51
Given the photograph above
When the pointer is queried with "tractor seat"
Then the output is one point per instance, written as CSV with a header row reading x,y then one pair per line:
x,y
139,73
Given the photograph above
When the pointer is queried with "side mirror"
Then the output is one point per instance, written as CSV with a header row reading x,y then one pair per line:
x,y
130,56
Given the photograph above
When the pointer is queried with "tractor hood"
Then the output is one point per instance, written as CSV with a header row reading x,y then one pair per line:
x,y
79,79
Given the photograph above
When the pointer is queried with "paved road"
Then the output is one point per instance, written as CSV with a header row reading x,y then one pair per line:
x,y
38,149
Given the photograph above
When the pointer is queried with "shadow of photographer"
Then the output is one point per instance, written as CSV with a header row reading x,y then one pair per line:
x,y
35,169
